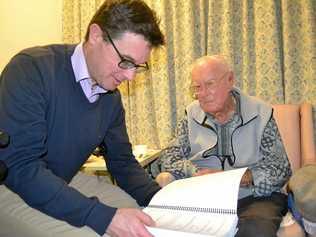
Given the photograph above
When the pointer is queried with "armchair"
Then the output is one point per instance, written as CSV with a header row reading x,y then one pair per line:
x,y
295,123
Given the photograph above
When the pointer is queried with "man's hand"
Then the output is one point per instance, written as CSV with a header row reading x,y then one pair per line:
x,y
206,171
130,222
246,179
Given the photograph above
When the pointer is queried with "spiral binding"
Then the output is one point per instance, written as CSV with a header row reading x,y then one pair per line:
x,y
197,209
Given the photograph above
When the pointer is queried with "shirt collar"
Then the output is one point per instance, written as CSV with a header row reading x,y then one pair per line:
x,y
79,65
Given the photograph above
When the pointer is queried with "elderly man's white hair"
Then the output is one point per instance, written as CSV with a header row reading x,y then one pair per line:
x,y
220,59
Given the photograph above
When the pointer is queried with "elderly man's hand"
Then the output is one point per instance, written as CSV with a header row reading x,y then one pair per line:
x,y
130,222
246,179
206,171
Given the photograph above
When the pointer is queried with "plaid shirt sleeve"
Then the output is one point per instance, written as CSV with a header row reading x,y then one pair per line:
x,y
273,170
174,159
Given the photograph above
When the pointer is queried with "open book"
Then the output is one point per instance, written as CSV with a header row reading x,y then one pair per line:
x,y
198,206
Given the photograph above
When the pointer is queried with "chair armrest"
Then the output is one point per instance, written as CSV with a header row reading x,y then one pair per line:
x,y
287,117
308,151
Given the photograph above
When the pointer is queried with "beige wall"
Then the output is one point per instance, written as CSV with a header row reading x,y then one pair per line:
x,y
26,23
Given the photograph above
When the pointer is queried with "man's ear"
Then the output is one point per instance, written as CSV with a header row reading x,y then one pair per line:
x,y
95,33
231,78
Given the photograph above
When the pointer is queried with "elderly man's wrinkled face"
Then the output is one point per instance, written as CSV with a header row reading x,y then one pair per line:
x,y
211,84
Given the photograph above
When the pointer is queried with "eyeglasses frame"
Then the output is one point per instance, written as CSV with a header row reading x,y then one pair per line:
x,y
195,94
136,67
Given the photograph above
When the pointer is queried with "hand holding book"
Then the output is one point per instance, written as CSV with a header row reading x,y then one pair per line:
x,y
246,179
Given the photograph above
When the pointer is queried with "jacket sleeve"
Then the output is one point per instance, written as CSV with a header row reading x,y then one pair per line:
x,y
174,158
22,114
123,166
273,170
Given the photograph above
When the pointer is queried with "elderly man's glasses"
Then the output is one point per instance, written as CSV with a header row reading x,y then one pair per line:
x,y
208,86
125,63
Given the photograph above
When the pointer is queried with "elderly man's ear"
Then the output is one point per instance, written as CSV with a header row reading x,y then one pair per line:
x,y
231,78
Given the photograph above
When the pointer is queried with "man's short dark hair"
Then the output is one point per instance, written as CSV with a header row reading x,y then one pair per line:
x,y
120,16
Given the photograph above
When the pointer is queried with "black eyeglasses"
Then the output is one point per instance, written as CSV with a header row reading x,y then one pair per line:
x,y
125,63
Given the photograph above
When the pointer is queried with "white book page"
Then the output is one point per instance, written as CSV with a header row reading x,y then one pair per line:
x,y
157,232
218,190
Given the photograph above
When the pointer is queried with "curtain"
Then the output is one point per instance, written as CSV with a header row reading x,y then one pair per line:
x,y
271,45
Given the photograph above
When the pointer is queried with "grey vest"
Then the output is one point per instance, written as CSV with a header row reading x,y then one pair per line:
x,y
246,139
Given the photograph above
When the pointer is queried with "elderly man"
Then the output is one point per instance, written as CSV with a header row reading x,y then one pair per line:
x,y
58,103
225,129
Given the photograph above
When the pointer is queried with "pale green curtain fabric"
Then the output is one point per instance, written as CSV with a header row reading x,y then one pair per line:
x,y
271,45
